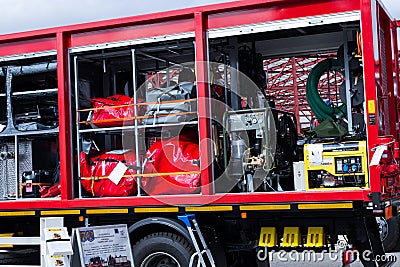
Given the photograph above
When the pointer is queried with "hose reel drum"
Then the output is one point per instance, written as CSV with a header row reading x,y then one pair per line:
x,y
324,111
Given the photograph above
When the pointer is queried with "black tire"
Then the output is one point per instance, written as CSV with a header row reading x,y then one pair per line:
x,y
23,256
391,239
162,248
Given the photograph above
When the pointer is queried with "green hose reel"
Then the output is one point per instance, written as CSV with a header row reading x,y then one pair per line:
x,y
322,110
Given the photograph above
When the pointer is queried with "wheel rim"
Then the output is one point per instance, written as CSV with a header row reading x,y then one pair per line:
x,y
160,259
383,227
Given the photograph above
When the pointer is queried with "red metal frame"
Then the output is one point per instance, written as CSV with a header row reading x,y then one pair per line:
x,y
185,200
132,32
388,96
286,84
44,43
377,89
203,105
370,83
295,92
396,71
278,10
197,19
65,119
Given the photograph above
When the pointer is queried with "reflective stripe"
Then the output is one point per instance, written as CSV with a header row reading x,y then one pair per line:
x,y
150,210
106,211
17,213
266,207
347,205
209,208
60,212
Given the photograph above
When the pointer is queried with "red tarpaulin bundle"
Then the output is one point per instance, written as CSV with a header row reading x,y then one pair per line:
x,y
178,155
108,112
96,171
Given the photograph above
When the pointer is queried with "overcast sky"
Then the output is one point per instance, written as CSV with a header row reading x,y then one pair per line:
x,y
23,15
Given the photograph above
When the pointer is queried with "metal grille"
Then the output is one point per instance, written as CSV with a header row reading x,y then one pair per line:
x,y
8,179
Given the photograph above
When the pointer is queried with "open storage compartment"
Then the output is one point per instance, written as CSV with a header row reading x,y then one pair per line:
x,y
136,114
29,158
264,75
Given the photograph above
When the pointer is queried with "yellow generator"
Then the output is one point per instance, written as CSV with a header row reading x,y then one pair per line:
x,y
333,165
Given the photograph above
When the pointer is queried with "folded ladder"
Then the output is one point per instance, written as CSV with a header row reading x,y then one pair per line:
x,y
190,219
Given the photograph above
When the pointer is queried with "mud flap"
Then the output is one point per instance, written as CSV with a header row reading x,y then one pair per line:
x,y
369,244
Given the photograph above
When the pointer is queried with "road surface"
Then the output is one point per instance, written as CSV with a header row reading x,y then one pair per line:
x,y
310,259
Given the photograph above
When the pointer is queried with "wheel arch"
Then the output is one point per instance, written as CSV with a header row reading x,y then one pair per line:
x,y
151,225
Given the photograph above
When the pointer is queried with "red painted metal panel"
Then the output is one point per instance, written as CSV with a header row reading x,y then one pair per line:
x,y
184,200
147,18
182,21
370,69
132,32
65,120
203,105
244,198
28,46
296,93
280,11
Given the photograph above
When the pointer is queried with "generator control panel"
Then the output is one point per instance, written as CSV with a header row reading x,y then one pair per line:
x,y
332,165
348,165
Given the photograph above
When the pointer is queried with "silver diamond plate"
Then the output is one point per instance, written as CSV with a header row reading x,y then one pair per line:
x,y
8,179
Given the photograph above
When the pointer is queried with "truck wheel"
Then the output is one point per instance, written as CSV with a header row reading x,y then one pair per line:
x,y
389,232
162,250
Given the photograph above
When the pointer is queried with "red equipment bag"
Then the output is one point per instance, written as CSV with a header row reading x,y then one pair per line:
x,y
95,173
178,155
109,113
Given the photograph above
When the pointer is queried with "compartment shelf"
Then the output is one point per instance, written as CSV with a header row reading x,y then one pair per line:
x,y
26,133
118,129
34,92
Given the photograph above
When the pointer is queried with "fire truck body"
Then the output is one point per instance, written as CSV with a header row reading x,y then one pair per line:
x,y
248,161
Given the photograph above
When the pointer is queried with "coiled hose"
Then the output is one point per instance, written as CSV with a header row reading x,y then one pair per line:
x,y
322,110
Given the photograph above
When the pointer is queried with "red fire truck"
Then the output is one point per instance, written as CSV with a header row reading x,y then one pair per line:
x,y
275,124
